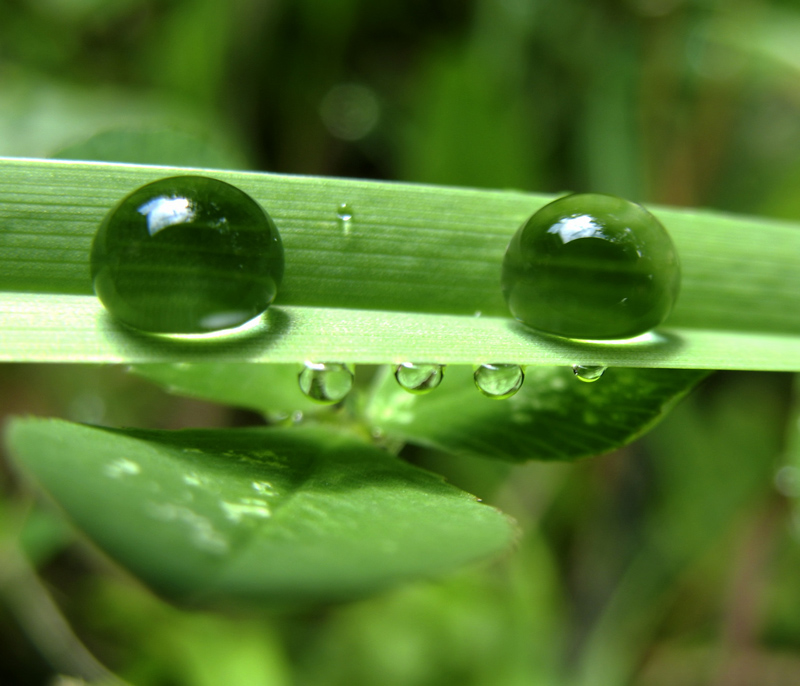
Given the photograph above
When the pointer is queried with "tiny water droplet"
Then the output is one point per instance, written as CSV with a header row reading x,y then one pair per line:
x,y
344,216
345,212
499,381
326,382
419,378
588,373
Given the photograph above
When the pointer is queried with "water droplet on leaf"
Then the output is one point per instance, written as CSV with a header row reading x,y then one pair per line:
x,y
344,215
499,381
588,373
187,255
326,382
344,212
419,378
591,266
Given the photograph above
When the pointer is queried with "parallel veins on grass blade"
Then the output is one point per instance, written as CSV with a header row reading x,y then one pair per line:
x,y
187,255
591,266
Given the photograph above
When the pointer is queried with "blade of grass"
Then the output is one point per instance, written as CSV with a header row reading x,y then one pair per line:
x,y
408,247
57,328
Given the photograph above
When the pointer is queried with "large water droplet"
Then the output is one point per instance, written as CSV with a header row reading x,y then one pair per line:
x,y
186,255
588,373
326,382
419,378
499,381
591,266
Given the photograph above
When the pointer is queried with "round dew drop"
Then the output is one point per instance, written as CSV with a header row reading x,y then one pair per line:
x,y
325,383
419,378
344,218
588,373
499,381
187,255
591,266
344,212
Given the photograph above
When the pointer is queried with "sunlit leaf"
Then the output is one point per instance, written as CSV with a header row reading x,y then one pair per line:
x,y
279,517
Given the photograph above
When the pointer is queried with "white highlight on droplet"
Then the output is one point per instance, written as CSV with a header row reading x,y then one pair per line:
x,y
164,212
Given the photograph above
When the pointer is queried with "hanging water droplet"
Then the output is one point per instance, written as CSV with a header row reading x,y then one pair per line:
x,y
419,378
344,216
588,373
499,381
326,382
186,255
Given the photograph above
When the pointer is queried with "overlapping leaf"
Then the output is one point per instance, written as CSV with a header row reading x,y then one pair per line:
x,y
276,517
553,417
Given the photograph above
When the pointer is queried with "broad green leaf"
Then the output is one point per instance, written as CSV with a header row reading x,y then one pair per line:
x,y
280,517
56,328
553,417
261,387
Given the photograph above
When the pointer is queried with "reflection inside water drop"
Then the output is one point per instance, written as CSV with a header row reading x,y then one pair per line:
x,y
344,212
499,381
588,373
325,382
419,378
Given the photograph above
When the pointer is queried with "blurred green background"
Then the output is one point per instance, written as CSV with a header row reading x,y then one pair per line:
x,y
674,561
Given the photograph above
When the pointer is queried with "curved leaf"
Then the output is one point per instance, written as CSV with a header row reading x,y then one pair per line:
x,y
282,517
553,417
